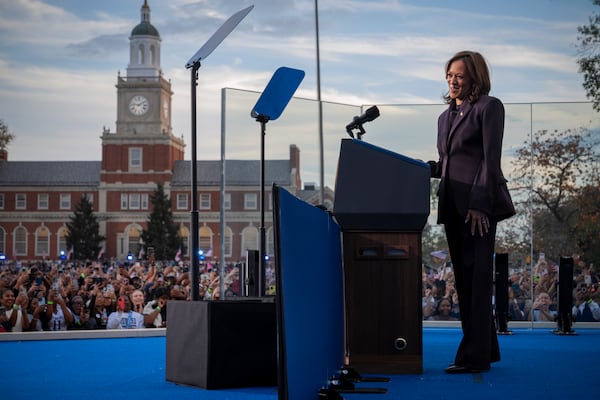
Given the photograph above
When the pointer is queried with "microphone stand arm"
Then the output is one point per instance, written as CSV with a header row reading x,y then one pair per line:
x,y
359,134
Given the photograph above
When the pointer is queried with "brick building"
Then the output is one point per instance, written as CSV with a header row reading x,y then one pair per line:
x,y
38,197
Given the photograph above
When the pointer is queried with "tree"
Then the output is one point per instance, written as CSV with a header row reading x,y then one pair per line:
x,y
560,170
83,234
5,136
589,60
588,222
162,233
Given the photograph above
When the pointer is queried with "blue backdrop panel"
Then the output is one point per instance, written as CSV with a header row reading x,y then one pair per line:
x,y
309,296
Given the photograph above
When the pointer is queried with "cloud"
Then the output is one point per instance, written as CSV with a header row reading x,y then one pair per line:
x,y
60,64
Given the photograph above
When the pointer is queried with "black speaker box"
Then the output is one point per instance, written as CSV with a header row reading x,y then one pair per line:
x,y
222,344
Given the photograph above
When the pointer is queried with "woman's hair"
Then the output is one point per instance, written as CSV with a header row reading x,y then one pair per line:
x,y
478,74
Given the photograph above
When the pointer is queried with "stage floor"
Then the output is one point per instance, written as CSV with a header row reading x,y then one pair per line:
x,y
536,364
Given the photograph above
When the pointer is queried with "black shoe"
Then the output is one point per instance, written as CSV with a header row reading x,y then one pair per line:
x,y
459,369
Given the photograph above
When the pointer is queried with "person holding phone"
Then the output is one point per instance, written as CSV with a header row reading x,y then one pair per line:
x,y
81,315
57,313
14,317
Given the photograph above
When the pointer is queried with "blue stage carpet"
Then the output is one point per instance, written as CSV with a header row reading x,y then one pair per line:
x,y
535,365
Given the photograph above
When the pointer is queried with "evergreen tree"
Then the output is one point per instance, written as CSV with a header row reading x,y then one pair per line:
x,y
83,234
5,136
162,233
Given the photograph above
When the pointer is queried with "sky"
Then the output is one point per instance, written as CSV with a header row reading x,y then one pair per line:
x,y
59,59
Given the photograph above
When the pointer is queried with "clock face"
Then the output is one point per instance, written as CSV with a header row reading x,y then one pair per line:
x,y
138,105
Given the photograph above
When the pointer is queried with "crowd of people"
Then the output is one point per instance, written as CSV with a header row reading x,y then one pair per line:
x,y
532,296
59,296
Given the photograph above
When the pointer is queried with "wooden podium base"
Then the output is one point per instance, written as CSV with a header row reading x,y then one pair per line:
x,y
382,272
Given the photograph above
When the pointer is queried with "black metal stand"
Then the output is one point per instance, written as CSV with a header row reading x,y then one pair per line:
x,y
194,65
345,383
195,267
269,107
501,283
565,297
263,119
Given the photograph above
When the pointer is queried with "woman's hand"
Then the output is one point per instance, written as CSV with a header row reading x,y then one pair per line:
x,y
478,221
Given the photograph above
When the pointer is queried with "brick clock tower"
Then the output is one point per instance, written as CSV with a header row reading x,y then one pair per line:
x,y
143,150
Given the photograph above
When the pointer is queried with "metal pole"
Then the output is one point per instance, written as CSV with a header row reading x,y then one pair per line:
x,y
222,211
263,251
195,270
321,145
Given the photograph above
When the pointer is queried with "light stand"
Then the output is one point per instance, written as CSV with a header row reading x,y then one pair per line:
x,y
194,64
270,105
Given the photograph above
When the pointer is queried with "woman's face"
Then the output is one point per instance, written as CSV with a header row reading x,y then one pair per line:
x,y
445,307
123,304
137,297
544,299
77,305
459,84
8,299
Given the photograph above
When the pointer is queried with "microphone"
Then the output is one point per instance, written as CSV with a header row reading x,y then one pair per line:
x,y
357,122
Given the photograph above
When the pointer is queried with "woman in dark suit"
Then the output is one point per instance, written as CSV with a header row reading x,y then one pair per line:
x,y
473,197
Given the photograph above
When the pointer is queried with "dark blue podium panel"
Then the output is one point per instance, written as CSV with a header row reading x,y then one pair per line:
x,y
310,305
379,190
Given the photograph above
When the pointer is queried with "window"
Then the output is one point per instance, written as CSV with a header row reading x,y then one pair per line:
x,y
182,201
20,241
2,240
90,197
205,201
134,241
140,54
152,55
134,201
42,201
42,241
227,202
250,202
227,242
205,238
20,201
184,233
65,201
1,201
135,158
62,240
249,239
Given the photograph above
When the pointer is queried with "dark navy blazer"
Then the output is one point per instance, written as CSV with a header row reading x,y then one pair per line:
x,y
470,147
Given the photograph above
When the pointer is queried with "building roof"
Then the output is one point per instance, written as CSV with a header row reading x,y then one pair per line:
x,y
50,173
87,173
145,29
237,172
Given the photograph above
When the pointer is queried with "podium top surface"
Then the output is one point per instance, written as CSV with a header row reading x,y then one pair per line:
x,y
387,152
378,189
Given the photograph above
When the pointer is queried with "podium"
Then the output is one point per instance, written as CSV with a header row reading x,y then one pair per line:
x,y
381,204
